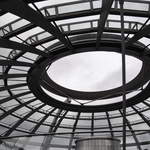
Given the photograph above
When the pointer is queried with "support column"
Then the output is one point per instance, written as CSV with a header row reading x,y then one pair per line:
x,y
121,2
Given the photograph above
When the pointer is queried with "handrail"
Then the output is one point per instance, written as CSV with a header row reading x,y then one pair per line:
x,y
55,10
68,28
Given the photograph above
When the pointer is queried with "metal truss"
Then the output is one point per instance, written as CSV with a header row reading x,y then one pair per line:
x,y
16,92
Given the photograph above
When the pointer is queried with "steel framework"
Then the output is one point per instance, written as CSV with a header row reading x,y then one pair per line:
x,y
27,112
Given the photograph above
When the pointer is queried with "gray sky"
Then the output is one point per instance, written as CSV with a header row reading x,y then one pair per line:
x,y
93,71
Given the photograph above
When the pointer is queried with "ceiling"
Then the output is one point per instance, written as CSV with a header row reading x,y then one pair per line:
x,y
62,70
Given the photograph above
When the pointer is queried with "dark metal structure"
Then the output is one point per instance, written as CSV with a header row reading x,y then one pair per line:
x,y
30,118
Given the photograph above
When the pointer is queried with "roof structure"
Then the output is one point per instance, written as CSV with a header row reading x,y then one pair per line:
x,y
74,69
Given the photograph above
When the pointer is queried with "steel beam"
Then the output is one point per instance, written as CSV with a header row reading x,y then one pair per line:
x,y
106,6
47,140
55,120
123,50
83,31
55,124
6,76
142,116
22,120
133,133
12,86
73,130
59,121
22,47
75,15
21,9
144,32
9,112
14,63
147,104
38,125
110,125
134,136
92,124
56,26
13,97
42,120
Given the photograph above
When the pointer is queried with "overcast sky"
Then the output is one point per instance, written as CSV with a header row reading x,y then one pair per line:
x,y
93,71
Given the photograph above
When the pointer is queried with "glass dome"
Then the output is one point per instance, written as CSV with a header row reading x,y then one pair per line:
x,y
71,69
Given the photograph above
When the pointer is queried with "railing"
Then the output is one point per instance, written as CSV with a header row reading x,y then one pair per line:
x,y
66,8
76,26
110,24
77,6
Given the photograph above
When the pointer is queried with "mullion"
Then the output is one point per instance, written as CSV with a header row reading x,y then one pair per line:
x,y
143,31
92,124
84,13
31,46
54,128
22,120
142,116
59,121
13,97
22,10
15,90
6,76
133,133
14,63
5,43
47,140
28,58
106,6
110,125
12,86
123,50
9,112
54,24
73,130
12,68
42,120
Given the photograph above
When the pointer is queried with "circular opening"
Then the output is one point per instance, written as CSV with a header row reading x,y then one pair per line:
x,y
93,71
95,102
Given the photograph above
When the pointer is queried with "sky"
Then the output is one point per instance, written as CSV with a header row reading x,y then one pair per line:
x,y
87,71
93,71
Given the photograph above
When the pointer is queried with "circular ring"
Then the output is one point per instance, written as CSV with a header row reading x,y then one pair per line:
x,y
35,82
